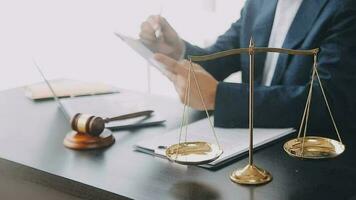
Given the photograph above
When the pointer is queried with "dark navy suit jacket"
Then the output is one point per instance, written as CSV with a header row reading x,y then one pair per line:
x,y
326,24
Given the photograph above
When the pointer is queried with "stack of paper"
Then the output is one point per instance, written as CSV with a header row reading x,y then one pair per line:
x,y
234,142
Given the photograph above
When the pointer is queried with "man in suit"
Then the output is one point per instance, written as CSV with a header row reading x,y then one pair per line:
x,y
282,81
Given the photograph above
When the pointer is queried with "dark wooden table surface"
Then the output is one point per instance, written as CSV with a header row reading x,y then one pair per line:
x,y
34,162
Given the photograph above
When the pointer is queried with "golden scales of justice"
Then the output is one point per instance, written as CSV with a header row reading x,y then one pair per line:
x,y
308,147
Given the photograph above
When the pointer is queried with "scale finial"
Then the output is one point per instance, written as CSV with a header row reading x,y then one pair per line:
x,y
252,42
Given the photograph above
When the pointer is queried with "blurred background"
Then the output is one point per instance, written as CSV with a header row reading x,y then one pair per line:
x,y
74,38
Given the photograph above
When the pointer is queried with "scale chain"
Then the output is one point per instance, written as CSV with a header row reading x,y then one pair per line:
x,y
188,101
328,106
305,111
307,108
205,108
308,111
184,113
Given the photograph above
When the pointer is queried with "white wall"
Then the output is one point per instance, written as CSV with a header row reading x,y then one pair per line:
x,y
74,38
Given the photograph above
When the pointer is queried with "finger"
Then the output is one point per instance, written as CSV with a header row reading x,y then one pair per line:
x,y
147,29
181,94
150,44
170,63
180,82
196,67
164,24
179,86
155,22
148,37
167,29
171,76
183,68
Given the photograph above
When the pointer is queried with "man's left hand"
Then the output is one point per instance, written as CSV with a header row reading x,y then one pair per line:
x,y
177,72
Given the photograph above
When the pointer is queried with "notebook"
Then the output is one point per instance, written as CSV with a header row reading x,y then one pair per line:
x,y
67,88
234,141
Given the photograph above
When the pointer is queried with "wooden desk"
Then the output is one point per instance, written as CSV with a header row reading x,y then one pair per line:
x,y
31,150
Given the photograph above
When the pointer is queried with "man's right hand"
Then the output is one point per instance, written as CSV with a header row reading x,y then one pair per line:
x,y
168,42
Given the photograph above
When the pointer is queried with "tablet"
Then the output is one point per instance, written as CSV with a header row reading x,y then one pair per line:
x,y
138,46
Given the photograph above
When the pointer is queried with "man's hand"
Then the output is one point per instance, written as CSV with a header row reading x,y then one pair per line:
x,y
168,43
178,72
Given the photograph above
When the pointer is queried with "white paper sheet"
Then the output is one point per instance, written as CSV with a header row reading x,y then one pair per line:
x,y
234,142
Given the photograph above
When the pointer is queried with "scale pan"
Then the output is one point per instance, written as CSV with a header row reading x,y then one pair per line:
x,y
193,153
314,147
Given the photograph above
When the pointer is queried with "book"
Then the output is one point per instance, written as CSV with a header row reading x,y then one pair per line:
x,y
67,88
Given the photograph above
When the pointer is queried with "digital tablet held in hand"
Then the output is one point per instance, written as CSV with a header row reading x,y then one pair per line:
x,y
138,46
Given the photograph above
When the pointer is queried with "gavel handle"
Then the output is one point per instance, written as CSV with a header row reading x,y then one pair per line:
x,y
129,116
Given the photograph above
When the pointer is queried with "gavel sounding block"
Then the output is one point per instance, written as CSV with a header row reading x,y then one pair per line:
x,y
82,141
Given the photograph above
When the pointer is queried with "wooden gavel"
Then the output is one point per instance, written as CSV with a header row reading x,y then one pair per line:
x,y
94,126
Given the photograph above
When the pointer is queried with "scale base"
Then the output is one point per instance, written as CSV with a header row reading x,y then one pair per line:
x,y
82,141
314,147
251,175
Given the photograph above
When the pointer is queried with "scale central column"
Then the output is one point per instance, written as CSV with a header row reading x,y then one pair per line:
x,y
251,99
251,174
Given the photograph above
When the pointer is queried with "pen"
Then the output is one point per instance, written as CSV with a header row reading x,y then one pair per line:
x,y
158,31
136,125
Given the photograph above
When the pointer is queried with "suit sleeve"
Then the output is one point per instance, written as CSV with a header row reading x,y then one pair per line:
x,y
282,106
220,68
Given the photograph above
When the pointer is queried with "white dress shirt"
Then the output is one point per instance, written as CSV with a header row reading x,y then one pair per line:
x,y
283,18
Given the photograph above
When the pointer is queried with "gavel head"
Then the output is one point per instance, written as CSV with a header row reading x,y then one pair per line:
x,y
88,124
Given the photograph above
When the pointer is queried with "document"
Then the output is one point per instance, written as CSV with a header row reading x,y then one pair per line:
x,y
234,141
111,105
140,48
